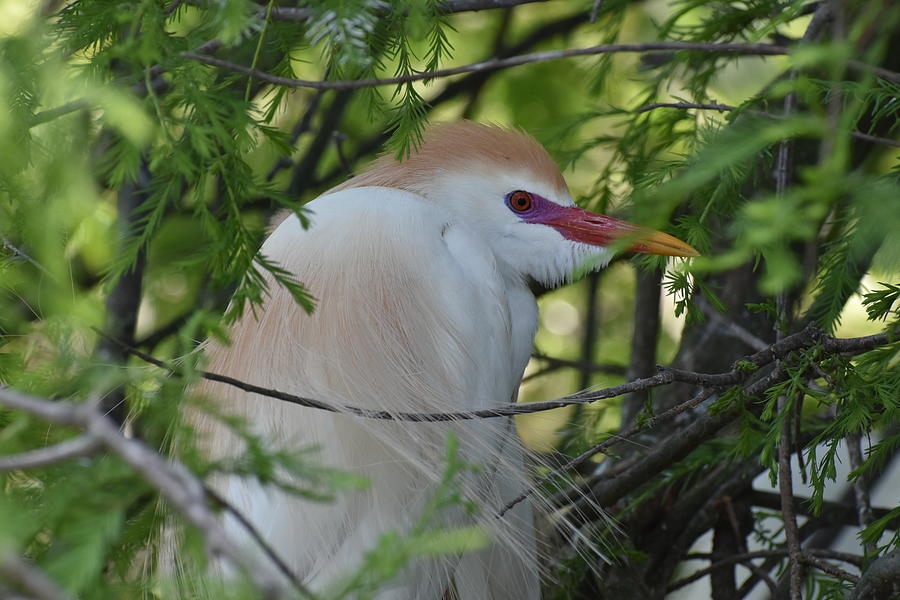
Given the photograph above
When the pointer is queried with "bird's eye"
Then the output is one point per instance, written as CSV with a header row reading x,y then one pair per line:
x,y
520,201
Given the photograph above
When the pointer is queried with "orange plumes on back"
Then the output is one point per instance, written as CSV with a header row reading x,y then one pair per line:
x,y
461,146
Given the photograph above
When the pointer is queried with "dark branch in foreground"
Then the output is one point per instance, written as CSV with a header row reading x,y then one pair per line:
x,y
676,447
742,369
682,442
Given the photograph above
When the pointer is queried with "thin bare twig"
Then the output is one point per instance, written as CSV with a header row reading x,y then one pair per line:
x,y
699,105
726,108
860,487
732,328
300,15
786,489
590,326
554,363
503,410
304,171
740,540
604,445
495,63
595,10
82,445
748,556
874,139
742,370
835,103
785,404
887,74
829,568
19,254
261,541
665,452
457,6
837,513
302,126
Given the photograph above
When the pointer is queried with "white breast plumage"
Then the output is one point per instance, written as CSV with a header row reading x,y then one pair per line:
x,y
392,331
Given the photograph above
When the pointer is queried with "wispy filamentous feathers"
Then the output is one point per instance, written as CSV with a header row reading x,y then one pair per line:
x,y
398,282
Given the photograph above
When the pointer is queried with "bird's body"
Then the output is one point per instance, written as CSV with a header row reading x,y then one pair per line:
x,y
423,306
402,332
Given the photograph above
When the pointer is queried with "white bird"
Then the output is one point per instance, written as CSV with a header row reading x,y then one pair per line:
x,y
421,272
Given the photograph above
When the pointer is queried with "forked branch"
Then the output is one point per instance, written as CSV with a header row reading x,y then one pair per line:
x,y
173,480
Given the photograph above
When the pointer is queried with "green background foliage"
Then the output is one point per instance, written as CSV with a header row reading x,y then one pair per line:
x,y
137,183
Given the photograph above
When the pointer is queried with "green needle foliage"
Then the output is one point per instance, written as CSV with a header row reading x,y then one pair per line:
x,y
137,184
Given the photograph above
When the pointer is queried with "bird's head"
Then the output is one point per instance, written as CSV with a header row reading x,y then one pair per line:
x,y
502,184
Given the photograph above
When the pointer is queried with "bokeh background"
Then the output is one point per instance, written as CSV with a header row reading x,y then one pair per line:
x,y
136,184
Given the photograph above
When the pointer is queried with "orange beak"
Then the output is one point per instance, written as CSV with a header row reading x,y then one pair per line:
x,y
579,225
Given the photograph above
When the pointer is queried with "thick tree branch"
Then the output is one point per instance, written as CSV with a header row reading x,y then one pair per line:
x,y
304,172
880,580
303,125
124,299
644,338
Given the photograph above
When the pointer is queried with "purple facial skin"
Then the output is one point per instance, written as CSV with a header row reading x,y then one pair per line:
x,y
579,225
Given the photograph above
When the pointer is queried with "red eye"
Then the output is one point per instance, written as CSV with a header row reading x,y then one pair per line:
x,y
520,201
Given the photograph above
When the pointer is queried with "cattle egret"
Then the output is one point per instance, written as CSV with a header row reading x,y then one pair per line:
x,y
421,271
